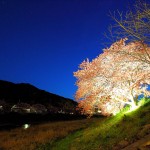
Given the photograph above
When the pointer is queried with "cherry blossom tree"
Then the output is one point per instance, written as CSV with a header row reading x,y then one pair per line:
x,y
132,74
113,79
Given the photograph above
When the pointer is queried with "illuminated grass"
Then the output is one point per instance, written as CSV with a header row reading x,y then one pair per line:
x,y
31,138
106,134
88,134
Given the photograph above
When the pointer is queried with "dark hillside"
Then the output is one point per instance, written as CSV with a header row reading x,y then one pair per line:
x,y
26,93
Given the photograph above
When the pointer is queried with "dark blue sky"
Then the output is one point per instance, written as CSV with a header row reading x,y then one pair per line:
x,y
42,42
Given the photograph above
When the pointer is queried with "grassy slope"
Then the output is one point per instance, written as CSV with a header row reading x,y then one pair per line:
x,y
31,138
87,134
106,134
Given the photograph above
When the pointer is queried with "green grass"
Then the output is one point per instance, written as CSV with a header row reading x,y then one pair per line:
x,y
42,134
107,133
86,134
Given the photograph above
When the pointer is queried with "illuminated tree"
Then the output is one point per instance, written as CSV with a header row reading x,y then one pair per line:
x,y
112,79
131,74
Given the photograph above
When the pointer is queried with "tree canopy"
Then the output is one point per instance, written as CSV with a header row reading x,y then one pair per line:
x,y
113,79
122,72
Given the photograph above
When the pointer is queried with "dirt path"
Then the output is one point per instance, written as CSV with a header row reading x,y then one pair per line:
x,y
142,144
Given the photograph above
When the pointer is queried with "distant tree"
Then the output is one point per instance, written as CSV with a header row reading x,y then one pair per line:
x,y
112,79
38,108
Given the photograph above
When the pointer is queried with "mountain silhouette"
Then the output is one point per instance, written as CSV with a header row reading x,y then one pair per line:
x,y
26,93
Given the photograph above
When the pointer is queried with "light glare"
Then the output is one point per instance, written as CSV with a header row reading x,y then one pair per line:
x,y
25,126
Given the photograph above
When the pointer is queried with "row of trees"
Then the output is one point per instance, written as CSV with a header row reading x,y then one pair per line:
x,y
120,74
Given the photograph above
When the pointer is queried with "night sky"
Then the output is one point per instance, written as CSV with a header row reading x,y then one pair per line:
x,y
42,42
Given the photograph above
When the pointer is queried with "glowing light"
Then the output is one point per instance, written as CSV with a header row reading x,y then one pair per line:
x,y
114,113
25,126
133,108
